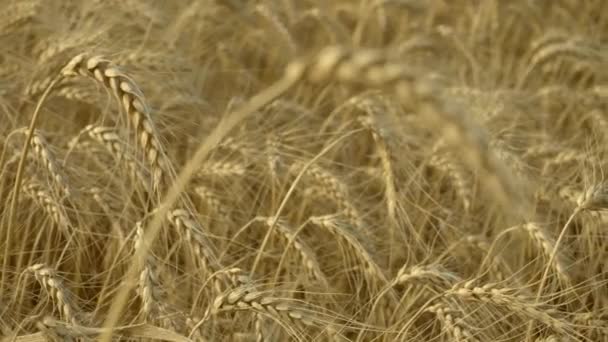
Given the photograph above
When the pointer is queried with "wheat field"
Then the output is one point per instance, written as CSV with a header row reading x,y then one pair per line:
x,y
304,170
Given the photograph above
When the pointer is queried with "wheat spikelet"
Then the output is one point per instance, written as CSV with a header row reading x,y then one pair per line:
x,y
306,254
109,138
37,86
555,46
423,274
552,36
203,250
259,328
502,152
454,325
52,333
107,211
17,13
280,311
461,178
599,123
62,43
273,156
211,199
148,288
498,265
509,298
390,194
335,189
344,235
81,93
56,290
53,208
595,323
373,274
132,101
374,68
267,14
224,168
547,245
594,198
570,48
48,160
550,338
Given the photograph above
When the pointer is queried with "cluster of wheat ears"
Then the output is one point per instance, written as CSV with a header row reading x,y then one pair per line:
x,y
303,170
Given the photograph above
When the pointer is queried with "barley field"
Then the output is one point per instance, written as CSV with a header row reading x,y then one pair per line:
x,y
304,170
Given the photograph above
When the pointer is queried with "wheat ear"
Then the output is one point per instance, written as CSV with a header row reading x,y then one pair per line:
x,y
53,208
374,68
109,138
509,298
56,289
132,101
47,158
453,324
306,254
149,289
